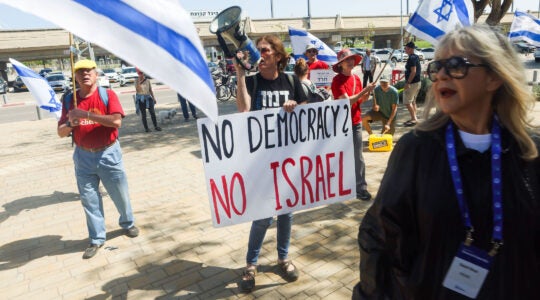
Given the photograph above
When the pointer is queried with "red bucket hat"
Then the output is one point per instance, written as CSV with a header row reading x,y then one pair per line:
x,y
343,55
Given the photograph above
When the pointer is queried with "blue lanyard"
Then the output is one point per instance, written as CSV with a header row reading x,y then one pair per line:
x,y
496,183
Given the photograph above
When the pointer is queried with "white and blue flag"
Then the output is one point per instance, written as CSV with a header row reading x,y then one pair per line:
x,y
434,18
525,27
156,36
39,87
301,38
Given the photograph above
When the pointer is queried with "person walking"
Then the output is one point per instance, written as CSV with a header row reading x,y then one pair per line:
x,y
458,209
385,101
145,99
184,105
93,122
347,85
413,70
270,88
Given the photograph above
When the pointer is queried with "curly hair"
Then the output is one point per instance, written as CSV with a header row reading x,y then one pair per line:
x,y
277,46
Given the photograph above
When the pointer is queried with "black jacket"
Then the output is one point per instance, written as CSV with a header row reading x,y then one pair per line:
x,y
412,232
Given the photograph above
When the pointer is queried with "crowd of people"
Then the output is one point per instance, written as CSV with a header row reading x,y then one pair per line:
x,y
460,197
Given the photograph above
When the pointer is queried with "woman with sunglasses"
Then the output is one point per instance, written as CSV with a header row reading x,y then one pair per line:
x,y
457,215
270,88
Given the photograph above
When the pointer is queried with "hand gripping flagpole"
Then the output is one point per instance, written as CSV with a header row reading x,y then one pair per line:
x,y
72,70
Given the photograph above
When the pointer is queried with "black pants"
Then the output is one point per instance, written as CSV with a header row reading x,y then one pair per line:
x,y
142,108
367,74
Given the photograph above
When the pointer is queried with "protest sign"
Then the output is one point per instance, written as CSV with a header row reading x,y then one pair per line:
x,y
265,163
321,77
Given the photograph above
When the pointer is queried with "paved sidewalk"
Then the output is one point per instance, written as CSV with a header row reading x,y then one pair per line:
x,y
178,255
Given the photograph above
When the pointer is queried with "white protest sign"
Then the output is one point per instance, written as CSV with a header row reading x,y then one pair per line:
x,y
270,162
321,77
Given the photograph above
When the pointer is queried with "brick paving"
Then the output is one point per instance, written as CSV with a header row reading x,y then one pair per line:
x,y
178,255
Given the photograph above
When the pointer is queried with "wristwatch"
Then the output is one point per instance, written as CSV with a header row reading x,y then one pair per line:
x,y
68,124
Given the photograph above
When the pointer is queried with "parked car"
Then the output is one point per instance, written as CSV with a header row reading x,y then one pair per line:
x,y
537,55
58,82
384,55
524,47
128,75
111,74
43,72
429,53
18,85
3,86
103,80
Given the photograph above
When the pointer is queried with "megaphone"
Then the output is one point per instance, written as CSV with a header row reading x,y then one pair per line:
x,y
227,25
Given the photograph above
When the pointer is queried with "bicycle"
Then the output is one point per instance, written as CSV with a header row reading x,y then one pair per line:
x,y
223,91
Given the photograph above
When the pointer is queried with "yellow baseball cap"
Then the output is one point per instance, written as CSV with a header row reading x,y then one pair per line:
x,y
85,64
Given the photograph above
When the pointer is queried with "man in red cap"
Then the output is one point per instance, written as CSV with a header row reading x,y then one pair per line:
x,y
347,85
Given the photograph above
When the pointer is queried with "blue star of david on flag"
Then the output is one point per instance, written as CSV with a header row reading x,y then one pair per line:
x,y
434,18
445,5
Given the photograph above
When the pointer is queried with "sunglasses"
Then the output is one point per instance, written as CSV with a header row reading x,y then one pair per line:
x,y
312,51
264,50
456,67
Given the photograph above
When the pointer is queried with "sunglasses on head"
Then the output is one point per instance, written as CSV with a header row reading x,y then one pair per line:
x,y
264,50
456,67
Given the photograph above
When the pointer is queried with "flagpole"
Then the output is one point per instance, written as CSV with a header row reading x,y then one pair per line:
x,y
72,70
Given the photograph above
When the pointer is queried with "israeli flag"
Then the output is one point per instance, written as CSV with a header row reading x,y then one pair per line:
x,y
525,28
39,87
156,36
434,18
301,38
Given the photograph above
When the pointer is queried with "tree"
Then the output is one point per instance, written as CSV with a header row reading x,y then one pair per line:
x,y
498,10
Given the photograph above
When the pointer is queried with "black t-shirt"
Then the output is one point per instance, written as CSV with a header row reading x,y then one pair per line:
x,y
413,61
273,93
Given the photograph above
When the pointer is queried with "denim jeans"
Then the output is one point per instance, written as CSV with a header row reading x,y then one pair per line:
x,y
359,164
258,231
184,104
144,102
105,166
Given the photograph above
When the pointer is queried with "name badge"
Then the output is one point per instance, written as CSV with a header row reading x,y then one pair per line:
x,y
468,271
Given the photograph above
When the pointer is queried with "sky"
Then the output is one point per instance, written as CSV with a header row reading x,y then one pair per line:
x,y
11,18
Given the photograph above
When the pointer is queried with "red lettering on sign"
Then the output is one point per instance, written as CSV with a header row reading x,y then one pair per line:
x,y
228,194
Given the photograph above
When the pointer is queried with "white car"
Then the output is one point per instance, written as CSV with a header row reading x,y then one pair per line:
x,y
429,53
128,75
111,73
103,80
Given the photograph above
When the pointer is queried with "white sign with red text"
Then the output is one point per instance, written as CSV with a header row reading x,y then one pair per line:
x,y
266,163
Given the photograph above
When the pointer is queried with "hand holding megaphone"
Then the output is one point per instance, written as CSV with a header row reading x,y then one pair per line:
x,y
226,25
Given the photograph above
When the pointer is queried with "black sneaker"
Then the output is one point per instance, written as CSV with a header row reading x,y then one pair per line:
x,y
91,251
147,130
158,128
364,195
132,232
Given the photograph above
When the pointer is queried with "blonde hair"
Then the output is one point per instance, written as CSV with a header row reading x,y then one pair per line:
x,y
301,68
511,101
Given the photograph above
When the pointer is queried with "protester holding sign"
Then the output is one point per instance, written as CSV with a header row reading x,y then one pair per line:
x,y
347,85
457,215
270,88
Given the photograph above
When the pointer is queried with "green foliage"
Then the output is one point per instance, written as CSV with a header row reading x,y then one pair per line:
x,y
421,98
536,92
423,44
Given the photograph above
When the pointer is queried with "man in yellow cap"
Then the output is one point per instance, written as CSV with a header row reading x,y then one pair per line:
x,y
93,120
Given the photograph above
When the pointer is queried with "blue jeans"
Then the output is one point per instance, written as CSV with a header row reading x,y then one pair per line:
x,y
359,164
105,166
184,104
258,231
